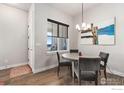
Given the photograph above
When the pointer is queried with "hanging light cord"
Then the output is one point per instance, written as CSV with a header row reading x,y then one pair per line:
x,y
82,13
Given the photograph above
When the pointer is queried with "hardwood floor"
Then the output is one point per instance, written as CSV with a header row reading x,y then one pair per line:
x,y
50,77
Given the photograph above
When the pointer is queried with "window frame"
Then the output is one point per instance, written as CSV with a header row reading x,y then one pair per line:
x,y
58,24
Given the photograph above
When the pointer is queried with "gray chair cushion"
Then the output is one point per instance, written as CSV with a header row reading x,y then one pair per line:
x,y
65,63
88,75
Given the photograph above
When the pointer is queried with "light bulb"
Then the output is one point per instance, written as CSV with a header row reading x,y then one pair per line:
x,y
77,27
88,26
84,28
83,25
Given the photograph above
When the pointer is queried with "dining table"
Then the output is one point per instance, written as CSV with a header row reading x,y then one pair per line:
x,y
74,57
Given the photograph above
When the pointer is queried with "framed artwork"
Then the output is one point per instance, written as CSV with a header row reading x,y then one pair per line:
x,y
106,32
103,35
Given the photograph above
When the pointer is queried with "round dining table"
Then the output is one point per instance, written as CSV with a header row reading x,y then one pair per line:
x,y
74,57
71,56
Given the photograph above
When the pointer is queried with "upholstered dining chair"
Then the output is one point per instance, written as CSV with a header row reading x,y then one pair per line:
x,y
73,50
62,64
104,58
87,69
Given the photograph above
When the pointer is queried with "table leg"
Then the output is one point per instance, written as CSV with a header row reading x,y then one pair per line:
x,y
73,69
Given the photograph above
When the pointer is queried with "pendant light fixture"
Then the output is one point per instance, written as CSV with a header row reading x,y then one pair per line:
x,y
83,25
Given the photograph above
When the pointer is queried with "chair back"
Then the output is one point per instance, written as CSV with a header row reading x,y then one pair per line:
x,y
89,64
80,54
104,57
73,50
58,57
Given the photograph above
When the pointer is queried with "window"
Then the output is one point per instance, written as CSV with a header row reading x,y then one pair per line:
x,y
57,36
52,36
63,44
63,35
63,31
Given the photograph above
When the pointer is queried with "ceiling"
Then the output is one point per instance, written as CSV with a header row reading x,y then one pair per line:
x,y
23,6
72,8
69,8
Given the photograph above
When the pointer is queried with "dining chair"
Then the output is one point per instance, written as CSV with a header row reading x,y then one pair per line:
x,y
80,54
62,64
104,58
73,50
87,69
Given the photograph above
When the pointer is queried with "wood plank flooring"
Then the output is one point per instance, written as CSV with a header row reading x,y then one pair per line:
x,y
50,77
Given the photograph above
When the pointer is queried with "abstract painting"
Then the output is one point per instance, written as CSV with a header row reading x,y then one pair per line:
x,y
106,32
103,35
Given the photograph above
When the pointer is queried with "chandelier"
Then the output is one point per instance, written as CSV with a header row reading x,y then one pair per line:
x,y
83,26
88,28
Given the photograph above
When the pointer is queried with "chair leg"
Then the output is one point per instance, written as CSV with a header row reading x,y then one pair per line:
x,y
58,69
71,70
96,81
74,78
105,73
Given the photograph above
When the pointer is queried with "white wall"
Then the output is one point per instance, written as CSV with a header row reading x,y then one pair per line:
x,y
13,37
42,12
97,15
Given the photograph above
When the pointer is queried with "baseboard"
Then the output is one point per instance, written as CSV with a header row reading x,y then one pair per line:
x,y
13,65
2,67
115,72
44,68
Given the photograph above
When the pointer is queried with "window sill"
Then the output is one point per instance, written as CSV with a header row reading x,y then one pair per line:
x,y
51,52
54,52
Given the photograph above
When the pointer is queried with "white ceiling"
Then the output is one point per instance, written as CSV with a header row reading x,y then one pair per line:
x,y
69,8
72,8
23,6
